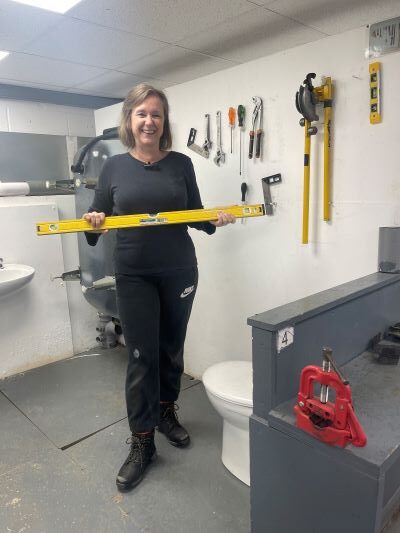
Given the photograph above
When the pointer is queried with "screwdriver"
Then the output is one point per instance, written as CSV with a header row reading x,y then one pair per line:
x,y
243,189
232,118
240,113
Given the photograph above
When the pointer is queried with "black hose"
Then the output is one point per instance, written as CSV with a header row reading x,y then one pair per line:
x,y
109,133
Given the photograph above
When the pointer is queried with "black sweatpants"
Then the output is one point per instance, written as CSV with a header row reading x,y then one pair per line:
x,y
154,312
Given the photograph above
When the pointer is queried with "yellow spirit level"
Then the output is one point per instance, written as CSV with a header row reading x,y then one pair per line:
x,y
147,219
375,93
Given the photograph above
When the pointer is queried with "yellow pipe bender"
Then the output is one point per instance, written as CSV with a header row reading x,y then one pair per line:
x,y
306,100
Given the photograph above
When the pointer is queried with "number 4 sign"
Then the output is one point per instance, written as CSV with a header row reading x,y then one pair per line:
x,y
285,338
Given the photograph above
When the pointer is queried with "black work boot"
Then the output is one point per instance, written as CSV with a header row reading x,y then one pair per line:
x,y
170,426
142,452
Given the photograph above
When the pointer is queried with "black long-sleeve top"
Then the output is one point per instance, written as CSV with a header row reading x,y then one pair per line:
x,y
127,187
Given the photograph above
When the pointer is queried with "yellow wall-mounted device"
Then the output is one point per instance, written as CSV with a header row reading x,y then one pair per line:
x,y
375,93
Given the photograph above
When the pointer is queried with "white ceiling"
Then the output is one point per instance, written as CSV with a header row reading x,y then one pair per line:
x,y
104,47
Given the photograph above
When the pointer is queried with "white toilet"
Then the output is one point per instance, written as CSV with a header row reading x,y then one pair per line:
x,y
229,387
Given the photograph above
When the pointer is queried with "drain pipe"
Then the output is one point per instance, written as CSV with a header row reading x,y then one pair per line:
x,y
36,188
118,332
106,328
109,332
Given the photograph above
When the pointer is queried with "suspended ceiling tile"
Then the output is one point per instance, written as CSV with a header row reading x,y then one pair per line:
x,y
160,84
114,84
175,64
47,86
84,43
266,34
261,2
337,16
163,20
20,24
35,69
83,92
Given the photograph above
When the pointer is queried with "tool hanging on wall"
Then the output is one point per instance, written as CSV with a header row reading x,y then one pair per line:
x,y
307,98
270,180
241,114
207,142
375,92
257,115
232,119
243,190
220,156
333,423
157,219
195,147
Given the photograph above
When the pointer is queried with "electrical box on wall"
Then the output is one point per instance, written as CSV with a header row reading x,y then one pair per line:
x,y
384,37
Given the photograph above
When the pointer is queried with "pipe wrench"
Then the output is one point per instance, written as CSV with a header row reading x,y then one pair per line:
x,y
257,114
220,157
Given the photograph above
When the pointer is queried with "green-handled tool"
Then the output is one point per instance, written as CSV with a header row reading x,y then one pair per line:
x,y
241,114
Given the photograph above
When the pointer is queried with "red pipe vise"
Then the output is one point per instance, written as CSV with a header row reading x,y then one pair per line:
x,y
333,423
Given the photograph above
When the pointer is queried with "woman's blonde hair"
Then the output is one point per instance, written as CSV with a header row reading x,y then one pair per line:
x,y
135,97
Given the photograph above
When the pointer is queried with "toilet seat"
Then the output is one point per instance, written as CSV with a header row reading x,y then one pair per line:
x,y
232,381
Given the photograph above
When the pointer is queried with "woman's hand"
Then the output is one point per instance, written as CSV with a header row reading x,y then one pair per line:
x,y
96,220
223,219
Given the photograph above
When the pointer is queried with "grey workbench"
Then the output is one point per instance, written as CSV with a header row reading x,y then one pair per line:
x,y
299,484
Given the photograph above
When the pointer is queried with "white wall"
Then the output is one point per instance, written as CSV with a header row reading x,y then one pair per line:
x,y
34,321
107,117
47,320
49,119
249,268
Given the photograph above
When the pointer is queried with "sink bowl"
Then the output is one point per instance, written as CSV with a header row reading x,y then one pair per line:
x,y
13,277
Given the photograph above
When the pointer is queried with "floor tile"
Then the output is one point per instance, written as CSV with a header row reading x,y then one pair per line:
x,y
185,490
71,399
53,495
20,439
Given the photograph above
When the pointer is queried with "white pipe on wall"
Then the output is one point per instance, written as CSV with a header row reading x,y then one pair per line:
x,y
36,188
14,189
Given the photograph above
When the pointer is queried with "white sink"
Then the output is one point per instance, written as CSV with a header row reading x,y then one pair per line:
x,y
13,277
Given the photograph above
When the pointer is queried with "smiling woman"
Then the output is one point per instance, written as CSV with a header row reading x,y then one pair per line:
x,y
145,115
147,125
155,270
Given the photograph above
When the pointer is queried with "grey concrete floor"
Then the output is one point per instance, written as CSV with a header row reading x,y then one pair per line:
x,y
63,430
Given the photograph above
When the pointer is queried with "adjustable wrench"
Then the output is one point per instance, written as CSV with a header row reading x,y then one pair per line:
x,y
220,157
207,143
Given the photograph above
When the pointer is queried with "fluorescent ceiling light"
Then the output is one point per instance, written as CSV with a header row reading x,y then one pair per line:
x,y
3,54
59,6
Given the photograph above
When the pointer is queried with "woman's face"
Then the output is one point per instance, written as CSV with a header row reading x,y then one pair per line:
x,y
147,123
